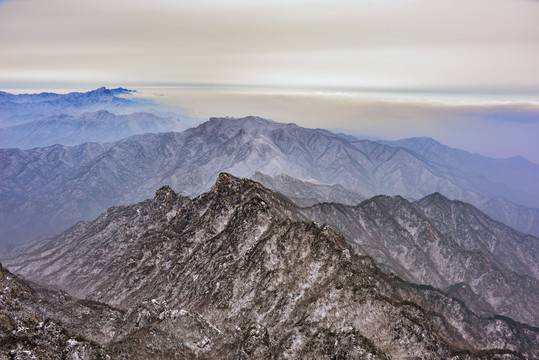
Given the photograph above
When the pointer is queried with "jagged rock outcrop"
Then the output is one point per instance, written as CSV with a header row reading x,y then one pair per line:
x,y
233,274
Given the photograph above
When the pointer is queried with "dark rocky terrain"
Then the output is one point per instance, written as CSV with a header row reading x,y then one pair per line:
x,y
44,190
447,244
28,332
233,274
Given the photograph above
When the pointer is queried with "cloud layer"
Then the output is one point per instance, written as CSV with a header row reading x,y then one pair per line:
x,y
388,43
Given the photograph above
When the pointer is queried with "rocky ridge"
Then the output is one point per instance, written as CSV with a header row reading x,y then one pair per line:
x,y
522,218
447,244
232,273
28,332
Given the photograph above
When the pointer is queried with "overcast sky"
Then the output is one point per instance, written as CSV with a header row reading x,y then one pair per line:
x,y
424,61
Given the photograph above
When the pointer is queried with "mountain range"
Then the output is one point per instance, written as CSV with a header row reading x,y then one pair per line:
x,y
45,190
98,126
22,108
231,273
447,244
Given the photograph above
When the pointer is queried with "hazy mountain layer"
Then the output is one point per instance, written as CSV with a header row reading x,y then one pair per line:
x,y
519,217
307,193
228,274
99,126
47,189
23,108
502,171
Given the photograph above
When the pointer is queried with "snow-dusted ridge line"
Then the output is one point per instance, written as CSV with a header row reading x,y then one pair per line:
x,y
269,284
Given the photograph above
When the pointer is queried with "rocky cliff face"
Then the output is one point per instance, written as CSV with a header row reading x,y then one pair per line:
x,y
233,274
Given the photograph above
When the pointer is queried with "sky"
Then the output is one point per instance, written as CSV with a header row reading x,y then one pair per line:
x,y
464,71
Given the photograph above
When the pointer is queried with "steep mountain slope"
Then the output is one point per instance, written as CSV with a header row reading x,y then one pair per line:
x,y
99,126
449,245
307,193
129,170
35,198
28,332
475,231
229,275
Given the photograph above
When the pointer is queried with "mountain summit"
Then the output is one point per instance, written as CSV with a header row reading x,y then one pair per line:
x,y
229,274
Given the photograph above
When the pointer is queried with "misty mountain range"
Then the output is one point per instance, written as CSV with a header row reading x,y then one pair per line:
x,y
53,187
307,193
66,184
234,268
98,126
101,115
231,274
22,108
